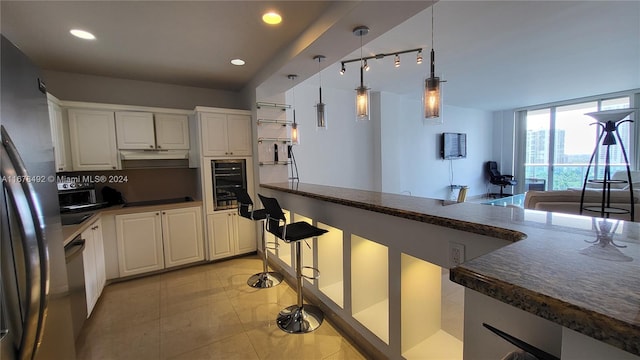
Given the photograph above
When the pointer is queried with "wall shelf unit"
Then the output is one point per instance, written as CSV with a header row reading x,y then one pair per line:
x,y
262,163
283,140
269,105
274,121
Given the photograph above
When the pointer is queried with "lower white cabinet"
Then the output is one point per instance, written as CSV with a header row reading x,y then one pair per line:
x,y
230,234
94,266
155,240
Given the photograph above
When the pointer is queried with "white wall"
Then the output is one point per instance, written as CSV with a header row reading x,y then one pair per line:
x,y
100,89
411,149
395,151
341,155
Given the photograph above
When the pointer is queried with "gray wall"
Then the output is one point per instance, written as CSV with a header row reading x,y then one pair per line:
x,y
99,89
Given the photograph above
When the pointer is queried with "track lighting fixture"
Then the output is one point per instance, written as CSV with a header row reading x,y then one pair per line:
x,y
396,61
342,69
419,57
366,66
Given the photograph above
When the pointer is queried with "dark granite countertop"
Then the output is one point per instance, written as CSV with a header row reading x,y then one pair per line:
x,y
554,271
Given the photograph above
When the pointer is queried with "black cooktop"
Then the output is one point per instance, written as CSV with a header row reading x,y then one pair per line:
x,y
159,202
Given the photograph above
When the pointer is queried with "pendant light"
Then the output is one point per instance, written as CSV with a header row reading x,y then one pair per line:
x,y
295,137
321,111
432,98
362,92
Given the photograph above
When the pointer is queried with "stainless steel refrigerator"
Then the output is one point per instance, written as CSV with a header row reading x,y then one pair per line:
x,y
35,318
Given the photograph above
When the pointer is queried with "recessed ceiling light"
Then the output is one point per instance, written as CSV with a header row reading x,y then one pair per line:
x,y
238,62
82,34
272,18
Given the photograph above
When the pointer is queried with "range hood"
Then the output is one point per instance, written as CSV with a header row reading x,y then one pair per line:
x,y
146,159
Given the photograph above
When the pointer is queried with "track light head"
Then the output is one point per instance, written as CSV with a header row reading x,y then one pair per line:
x,y
419,57
397,61
342,69
366,66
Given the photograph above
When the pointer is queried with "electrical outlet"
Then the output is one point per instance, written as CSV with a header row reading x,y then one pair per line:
x,y
456,254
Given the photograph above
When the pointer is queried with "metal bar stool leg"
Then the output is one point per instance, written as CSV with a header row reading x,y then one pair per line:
x,y
300,318
266,278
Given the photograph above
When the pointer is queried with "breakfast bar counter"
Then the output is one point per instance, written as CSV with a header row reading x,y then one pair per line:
x,y
578,277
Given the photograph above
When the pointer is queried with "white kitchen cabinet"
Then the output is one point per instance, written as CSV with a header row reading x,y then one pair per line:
x,y
230,234
155,240
225,134
139,240
92,136
59,138
182,236
172,131
137,130
94,264
134,130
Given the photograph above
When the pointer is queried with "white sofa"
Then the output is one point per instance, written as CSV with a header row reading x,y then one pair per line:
x,y
568,201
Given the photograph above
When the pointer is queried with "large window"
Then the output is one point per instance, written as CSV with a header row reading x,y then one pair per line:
x,y
560,141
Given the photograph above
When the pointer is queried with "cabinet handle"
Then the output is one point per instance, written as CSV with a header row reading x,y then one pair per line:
x,y
164,213
151,146
159,147
59,169
157,214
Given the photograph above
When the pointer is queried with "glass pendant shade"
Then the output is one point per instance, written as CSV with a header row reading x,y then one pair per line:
x,y
295,139
321,115
431,99
362,103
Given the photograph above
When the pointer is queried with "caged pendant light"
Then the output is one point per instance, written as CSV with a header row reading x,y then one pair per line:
x,y
321,111
432,97
295,137
362,92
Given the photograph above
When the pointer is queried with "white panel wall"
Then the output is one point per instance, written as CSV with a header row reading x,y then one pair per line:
x,y
394,152
341,155
411,150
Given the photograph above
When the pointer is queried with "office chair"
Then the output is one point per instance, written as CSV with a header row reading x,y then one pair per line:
x,y
498,179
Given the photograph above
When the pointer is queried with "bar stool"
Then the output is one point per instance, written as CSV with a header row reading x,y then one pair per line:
x,y
266,278
299,318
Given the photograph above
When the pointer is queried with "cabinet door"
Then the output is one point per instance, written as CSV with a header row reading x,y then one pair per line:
x,y
139,240
246,239
239,135
89,262
58,137
182,236
214,134
172,131
101,275
93,140
220,232
135,130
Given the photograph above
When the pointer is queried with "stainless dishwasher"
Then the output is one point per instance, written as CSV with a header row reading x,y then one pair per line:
x,y
75,274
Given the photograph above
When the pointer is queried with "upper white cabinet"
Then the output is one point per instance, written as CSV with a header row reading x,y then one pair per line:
x,y
225,134
93,140
59,138
139,130
172,131
134,130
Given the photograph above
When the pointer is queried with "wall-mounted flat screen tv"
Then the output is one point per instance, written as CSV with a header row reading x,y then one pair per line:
x,y
453,146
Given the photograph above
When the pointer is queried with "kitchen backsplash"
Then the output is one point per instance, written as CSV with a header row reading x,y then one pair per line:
x,y
143,184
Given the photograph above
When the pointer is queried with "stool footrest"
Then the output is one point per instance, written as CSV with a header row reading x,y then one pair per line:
x,y
316,273
272,245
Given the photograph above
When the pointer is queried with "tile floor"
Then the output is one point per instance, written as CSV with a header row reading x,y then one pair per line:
x,y
202,312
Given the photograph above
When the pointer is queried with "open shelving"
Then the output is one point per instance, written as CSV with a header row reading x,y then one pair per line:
x,y
432,309
370,285
330,263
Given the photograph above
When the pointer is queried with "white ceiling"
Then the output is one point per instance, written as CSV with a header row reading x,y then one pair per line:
x,y
509,54
493,54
